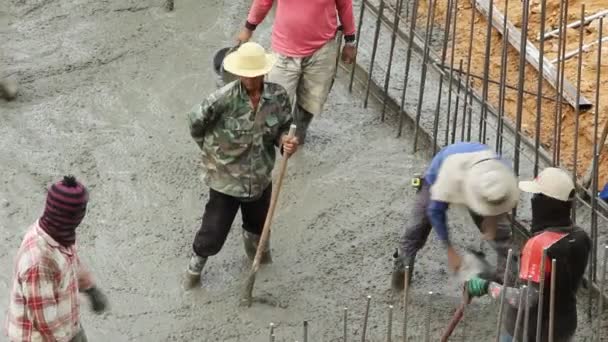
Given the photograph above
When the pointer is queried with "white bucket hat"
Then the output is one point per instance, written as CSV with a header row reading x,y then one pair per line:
x,y
490,188
249,60
552,182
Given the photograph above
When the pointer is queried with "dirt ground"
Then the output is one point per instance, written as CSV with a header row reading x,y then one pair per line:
x,y
105,89
588,75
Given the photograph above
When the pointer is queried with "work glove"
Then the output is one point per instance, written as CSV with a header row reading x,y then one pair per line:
x,y
477,287
98,300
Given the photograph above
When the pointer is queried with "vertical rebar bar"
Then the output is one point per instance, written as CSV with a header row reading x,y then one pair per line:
x,y
561,83
427,330
600,305
408,60
352,70
374,50
505,281
577,113
521,83
596,156
365,318
541,294
457,103
486,75
406,291
169,5
444,50
425,58
387,78
305,332
523,292
503,79
272,338
527,312
470,112
271,335
552,300
558,93
345,333
539,101
389,328
451,79
469,55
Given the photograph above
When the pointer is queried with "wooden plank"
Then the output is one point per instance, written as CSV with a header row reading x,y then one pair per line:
x,y
532,54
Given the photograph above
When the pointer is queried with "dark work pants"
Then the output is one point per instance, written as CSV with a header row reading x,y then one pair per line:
x,y
419,228
219,215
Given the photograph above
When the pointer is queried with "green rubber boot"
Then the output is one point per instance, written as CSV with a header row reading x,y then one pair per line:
x,y
250,241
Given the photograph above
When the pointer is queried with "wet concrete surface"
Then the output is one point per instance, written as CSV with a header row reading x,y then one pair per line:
x,y
105,89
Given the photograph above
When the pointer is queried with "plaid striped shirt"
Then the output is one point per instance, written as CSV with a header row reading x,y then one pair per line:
x,y
44,298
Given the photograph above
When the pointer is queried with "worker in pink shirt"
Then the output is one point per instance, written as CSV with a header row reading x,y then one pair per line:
x,y
303,39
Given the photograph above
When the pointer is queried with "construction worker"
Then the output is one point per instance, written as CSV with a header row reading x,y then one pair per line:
x,y
469,174
554,234
237,129
44,302
303,39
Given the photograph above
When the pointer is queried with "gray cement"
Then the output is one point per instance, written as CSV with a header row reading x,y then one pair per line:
x,y
105,88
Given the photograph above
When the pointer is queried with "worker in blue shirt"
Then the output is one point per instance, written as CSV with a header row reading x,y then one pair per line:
x,y
469,174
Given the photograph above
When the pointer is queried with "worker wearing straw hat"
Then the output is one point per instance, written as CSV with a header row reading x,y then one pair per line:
x,y
465,173
237,129
553,233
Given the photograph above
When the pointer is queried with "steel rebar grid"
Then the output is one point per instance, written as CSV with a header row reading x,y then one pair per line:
x,y
467,81
552,301
521,81
444,50
486,74
527,311
600,306
541,62
425,59
558,92
503,79
451,76
408,60
505,282
456,105
596,157
406,291
387,78
523,292
577,113
429,309
561,86
366,317
374,50
345,332
389,328
352,72
541,293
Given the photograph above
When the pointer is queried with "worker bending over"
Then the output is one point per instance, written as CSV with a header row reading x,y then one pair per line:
x,y
237,129
469,174
553,233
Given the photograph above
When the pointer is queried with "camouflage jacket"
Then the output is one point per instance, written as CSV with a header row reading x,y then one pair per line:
x,y
238,142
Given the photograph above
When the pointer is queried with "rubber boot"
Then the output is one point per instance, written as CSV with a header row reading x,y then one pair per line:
x,y
302,121
250,242
192,277
398,276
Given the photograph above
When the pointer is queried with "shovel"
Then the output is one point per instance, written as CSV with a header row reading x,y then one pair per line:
x,y
246,295
457,317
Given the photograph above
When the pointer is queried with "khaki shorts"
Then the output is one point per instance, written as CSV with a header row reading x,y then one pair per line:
x,y
308,79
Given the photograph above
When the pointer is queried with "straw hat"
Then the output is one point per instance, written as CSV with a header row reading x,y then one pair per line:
x,y
249,60
552,182
490,188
